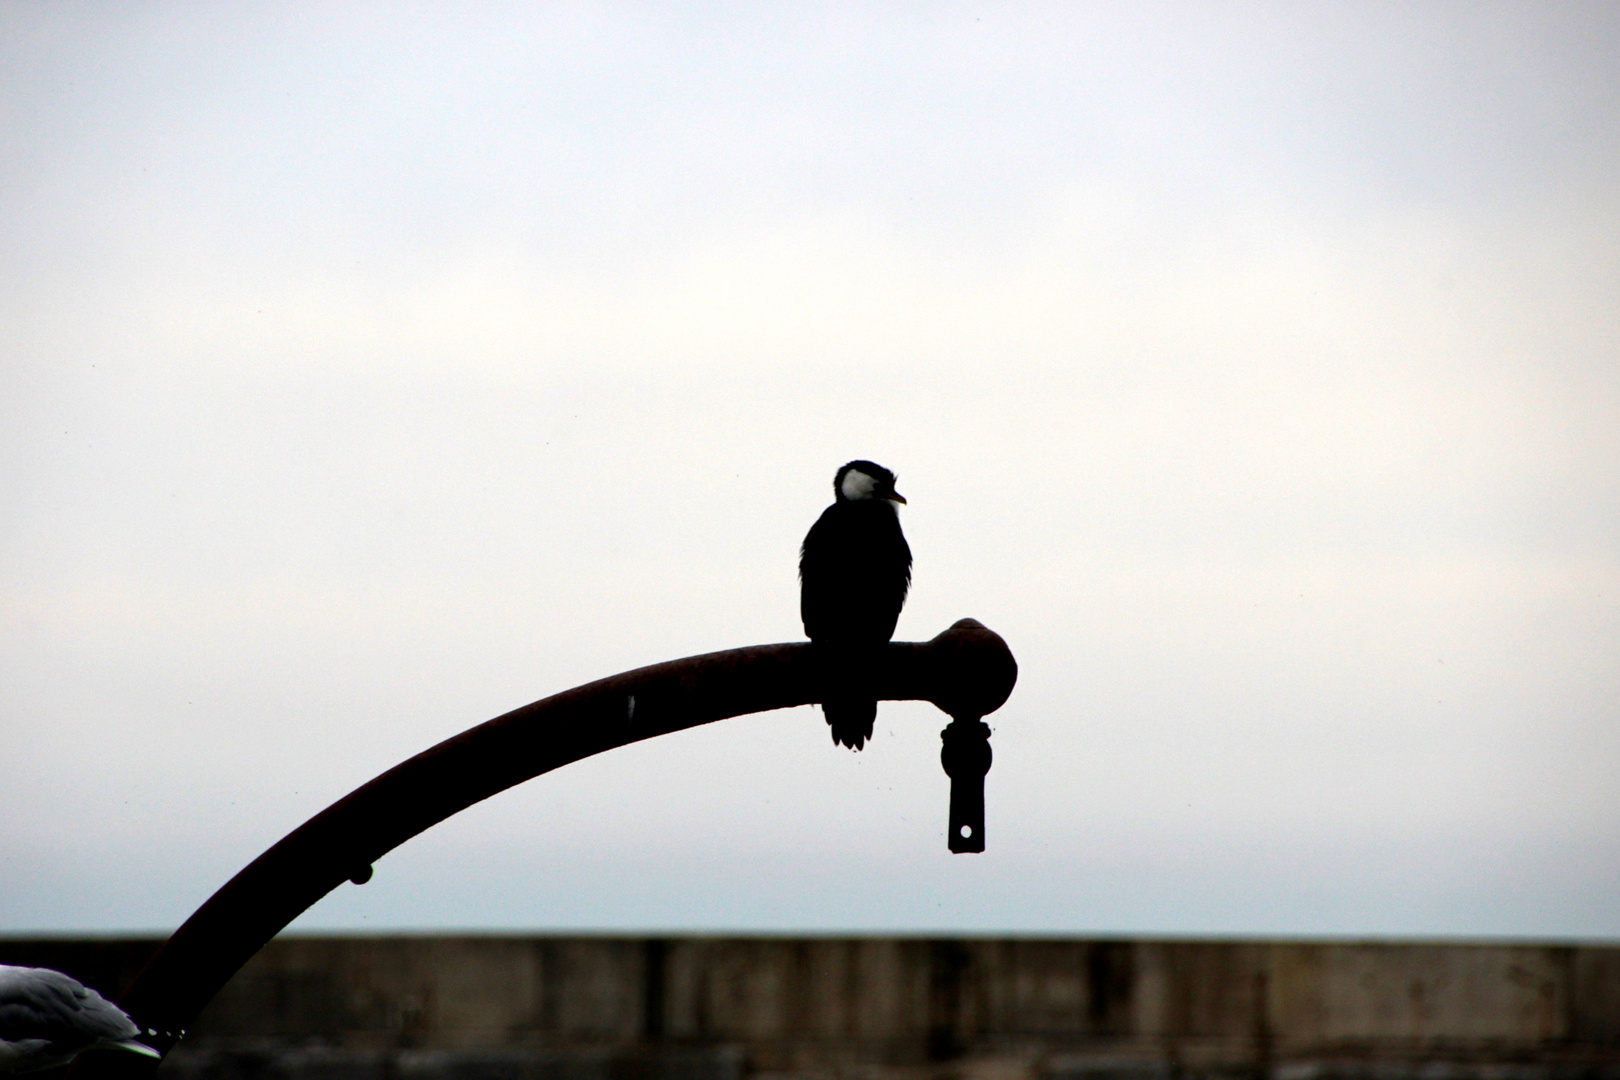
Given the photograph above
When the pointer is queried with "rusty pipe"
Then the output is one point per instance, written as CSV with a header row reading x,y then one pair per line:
x,y
967,671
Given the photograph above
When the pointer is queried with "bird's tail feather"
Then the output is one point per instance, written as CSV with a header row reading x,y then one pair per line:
x,y
851,721
129,1044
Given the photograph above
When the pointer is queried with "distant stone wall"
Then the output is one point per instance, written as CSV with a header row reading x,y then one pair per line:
x,y
695,1008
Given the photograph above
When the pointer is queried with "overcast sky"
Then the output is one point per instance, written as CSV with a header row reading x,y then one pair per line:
x,y
1253,369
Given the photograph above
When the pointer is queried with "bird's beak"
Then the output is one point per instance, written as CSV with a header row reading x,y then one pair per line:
x,y
895,496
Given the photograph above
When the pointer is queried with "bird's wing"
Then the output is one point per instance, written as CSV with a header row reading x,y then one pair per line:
x,y
854,573
38,1003
816,541
814,574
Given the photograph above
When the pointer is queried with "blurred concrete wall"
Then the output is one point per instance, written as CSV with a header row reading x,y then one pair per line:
x,y
692,1008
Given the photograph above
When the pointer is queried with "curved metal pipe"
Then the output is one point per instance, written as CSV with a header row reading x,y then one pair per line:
x,y
967,671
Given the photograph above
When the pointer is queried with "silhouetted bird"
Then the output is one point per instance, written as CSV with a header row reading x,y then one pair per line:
x,y
854,571
48,1019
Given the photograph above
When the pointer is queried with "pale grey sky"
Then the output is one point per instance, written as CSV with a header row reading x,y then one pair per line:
x,y
369,371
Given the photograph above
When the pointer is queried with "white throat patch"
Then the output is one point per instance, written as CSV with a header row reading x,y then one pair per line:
x,y
857,485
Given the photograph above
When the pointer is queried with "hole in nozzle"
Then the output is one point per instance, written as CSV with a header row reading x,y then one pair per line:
x,y
966,832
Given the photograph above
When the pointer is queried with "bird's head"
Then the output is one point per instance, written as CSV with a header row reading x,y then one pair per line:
x,y
861,480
